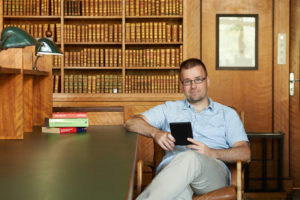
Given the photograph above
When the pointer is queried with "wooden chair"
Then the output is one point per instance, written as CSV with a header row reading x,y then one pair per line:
x,y
150,155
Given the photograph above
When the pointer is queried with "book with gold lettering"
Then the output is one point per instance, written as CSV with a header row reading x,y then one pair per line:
x,y
174,33
132,32
110,32
85,83
97,58
66,83
89,84
138,32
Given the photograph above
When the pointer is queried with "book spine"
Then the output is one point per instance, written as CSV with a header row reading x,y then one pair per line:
x,y
60,115
76,122
65,130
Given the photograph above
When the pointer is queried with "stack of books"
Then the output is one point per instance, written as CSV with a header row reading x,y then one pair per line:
x,y
66,122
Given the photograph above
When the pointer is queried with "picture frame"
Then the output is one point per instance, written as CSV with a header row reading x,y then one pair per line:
x,y
237,41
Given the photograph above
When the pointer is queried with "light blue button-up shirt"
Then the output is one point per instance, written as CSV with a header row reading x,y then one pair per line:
x,y
217,126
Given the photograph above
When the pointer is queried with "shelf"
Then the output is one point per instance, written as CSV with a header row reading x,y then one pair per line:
x,y
93,43
31,17
35,72
4,70
153,43
131,97
92,17
155,17
168,68
101,68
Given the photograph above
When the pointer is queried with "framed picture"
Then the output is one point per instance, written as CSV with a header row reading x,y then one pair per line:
x,y
237,41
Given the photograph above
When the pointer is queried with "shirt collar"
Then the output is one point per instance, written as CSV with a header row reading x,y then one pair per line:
x,y
187,105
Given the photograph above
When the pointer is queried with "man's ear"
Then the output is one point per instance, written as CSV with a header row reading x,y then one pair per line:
x,y
208,81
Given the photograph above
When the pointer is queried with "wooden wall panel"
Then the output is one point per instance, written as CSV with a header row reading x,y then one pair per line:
x,y
295,100
281,79
247,90
105,118
191,24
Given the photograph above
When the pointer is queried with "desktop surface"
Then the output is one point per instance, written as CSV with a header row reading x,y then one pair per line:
x,y
96,165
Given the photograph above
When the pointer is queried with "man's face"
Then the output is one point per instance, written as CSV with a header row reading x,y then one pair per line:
x,y
194,92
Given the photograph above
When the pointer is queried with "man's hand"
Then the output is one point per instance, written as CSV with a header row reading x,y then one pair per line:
x,y
200,147
165,140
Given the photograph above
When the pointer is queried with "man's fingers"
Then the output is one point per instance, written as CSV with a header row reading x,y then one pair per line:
x,y
193,141
170,136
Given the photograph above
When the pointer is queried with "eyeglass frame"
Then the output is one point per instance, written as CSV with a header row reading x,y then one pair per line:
x,y
194,80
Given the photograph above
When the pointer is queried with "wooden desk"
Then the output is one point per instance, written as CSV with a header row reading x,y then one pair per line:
x,y
97,165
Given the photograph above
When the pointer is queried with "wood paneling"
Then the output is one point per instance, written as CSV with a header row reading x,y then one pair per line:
x,y
192,29
281,80
295,100
247,90
105,118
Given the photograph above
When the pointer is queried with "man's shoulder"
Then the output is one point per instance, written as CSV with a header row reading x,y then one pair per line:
x,y
177,103
226,109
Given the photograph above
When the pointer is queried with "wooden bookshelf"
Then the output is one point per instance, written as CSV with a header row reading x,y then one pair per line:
x,y
83,28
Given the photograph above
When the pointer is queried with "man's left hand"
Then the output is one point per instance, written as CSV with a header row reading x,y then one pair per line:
x,y
200,147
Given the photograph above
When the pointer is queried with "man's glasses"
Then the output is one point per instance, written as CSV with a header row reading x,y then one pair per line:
x,y
198,80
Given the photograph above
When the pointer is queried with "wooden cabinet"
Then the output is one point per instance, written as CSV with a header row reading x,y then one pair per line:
x,y
110,46
26,94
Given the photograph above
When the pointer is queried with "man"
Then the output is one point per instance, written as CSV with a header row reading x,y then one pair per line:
x,y
218,137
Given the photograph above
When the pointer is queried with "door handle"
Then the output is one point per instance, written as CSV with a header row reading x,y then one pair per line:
x,y
292,83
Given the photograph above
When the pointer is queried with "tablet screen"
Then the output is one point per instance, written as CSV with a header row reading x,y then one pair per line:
x,y
181,131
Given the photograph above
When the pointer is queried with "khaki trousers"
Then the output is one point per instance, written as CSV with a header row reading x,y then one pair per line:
x,y
189,172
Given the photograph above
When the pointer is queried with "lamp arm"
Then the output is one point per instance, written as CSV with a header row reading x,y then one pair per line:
x,y
34,64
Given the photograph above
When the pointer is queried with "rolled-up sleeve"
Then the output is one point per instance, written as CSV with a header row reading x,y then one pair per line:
x,y
155,116
235,131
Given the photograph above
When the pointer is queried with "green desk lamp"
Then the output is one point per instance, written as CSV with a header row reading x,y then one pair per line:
x,y
13,37
45,47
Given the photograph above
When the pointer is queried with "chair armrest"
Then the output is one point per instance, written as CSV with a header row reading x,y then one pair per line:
x,y
139,168
240,179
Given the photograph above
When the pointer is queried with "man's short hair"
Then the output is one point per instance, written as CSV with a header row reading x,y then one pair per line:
x,y
192,62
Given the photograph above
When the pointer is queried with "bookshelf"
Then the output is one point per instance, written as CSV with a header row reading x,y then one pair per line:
x,y
110,46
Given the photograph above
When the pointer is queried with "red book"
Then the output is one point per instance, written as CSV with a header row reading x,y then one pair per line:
x,y
64,130
61,115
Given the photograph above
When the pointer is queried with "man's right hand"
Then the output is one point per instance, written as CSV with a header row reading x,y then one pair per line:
x,y
165,140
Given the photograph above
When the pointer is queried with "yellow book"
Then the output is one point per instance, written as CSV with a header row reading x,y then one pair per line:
x,y
138,32
115,32
101,58
137,8
98,31
115,58
168,33
94,34
119,57
155,32
120,32
97,58
143,32
96,12
110,32
106,32
131,8
132,32
174,33
100,7
127,13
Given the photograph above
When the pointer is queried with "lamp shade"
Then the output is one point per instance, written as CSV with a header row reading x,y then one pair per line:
x,y
12,37
47,47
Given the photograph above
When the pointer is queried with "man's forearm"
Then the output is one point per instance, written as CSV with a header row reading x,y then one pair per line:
x,y
139,125
241,152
